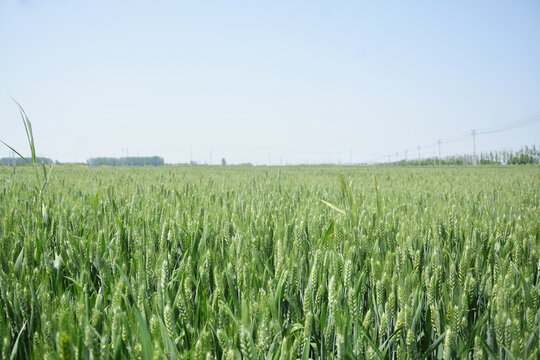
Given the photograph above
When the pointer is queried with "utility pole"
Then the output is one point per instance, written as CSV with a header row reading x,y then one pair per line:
x,y
474,146
210,157
439,142
269,156
419,153
350,157
190,156
397,157
405,155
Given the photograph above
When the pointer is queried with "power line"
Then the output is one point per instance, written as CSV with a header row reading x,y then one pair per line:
x,y
529,120
535,117
455,139
273,152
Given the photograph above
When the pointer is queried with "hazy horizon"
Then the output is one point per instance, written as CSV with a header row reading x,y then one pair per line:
x,y
311,81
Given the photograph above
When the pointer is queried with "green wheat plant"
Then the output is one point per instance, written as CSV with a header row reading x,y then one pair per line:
x,y
271,263
41,177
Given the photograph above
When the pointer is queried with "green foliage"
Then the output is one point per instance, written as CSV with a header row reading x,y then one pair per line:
x,y
18,161
127,161
527,155
231,262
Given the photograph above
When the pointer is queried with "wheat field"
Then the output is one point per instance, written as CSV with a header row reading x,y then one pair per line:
x,y
270,263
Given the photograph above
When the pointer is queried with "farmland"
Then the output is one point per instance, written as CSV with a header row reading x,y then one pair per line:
x,y
270,263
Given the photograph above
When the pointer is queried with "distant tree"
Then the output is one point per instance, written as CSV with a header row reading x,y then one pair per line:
x,y
16,161
223,161
127,161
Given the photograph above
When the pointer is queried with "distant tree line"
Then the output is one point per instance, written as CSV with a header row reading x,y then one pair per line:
x,y
101,161
527,155
127,161
17,161
67,163
524,156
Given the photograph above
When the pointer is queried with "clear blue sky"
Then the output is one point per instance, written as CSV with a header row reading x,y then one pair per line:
x,y
314,80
